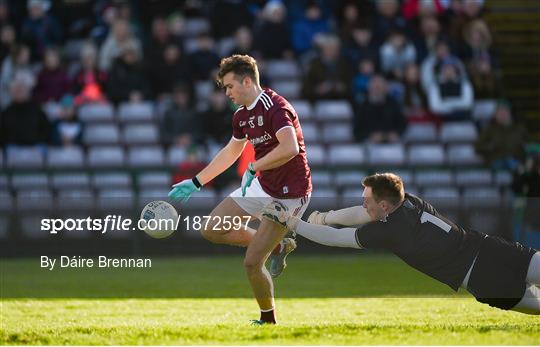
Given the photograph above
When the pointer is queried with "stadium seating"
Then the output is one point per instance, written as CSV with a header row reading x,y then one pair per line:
x,y
115,199
303,109
289,89
176,155
79,180
420,132
386,154
349,178
316,155
4,183
154,180
75,199
30,180
140,134
434,178
96,113
151,156
458,132
311,132
337,133
332,110
28,157
6,201
463,154
481,197
101,134
34,200
111,180
351,197
447,197
346,155
425,155
282,70
65,157
321,179
139,112
474,178
106,157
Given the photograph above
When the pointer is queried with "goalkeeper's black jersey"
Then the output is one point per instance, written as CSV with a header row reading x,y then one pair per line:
x,y
425,240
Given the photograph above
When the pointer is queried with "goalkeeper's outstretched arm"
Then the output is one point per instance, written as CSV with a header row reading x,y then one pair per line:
x,y
351,216
327,236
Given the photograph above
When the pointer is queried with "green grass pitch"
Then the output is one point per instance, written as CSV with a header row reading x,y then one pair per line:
x,y
324,299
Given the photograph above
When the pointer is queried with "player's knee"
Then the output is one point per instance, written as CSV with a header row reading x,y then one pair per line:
x,y
252,264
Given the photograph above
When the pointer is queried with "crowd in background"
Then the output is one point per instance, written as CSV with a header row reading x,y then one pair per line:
x,y
396,62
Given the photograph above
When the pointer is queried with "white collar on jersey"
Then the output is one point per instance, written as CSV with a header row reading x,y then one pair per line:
x,y
250,107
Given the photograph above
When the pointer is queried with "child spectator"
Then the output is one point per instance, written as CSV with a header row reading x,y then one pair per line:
x,y
67,128
396,53
89,82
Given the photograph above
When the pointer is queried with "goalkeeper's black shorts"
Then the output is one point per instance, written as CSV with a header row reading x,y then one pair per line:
x,y
498,277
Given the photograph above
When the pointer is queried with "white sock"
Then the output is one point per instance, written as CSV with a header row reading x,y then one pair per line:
x,y
350,216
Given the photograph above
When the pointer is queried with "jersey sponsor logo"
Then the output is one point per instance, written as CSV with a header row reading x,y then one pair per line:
x,y
261,139
285,189
251,122
260,121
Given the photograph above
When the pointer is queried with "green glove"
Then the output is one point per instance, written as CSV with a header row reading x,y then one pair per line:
x,y
248,177
182,191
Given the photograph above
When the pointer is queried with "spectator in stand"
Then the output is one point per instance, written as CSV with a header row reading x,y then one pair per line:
x,y
216,119
412,9
176,26
359,46
414,98
160,40
127,79
502,142
40,30
243,42
360,82
462,13
16,64
173,70
387,20
67,128
451,95
205,59
111,49
7,40
527,184
329,74
430,67
52,80
272,25
179,126
396,53
426,41
306,28
349,17
379,118
89,82
5,14
23,122
480,61
229,15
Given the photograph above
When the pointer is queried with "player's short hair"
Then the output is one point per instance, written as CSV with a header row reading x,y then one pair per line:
x,y
385,186
241,65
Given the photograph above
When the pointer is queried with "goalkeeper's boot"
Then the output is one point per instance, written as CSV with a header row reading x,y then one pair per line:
x,y
278,262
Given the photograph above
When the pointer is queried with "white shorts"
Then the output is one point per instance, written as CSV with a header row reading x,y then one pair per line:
x,y
256,199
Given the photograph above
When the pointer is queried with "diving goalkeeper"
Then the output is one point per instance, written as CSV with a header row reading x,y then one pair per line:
x,y
501,274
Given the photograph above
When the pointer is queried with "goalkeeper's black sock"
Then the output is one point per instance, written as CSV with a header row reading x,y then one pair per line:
x,y
278,248
268,316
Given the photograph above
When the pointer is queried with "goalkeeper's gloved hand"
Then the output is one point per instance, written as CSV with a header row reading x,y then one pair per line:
x,y
279,213
182,191
248,177
317,217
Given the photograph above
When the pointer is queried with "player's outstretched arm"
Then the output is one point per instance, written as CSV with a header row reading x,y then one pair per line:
x,y
222,161
356,215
